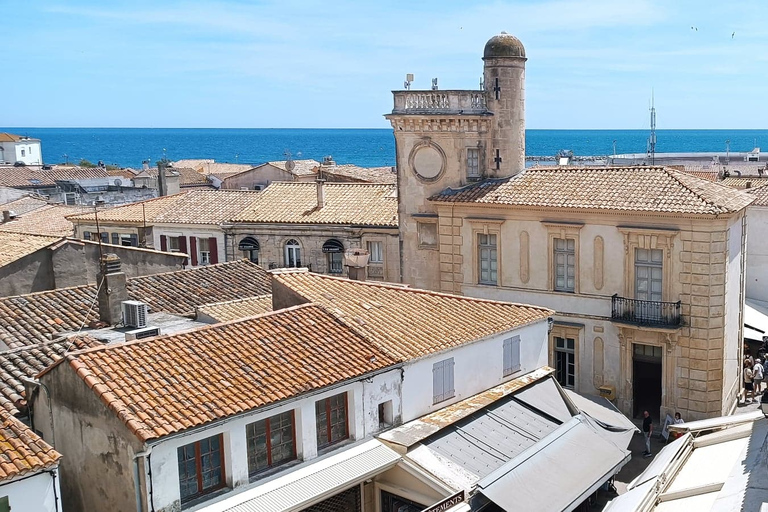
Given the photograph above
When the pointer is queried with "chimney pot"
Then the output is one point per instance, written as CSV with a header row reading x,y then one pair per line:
x,y
113,290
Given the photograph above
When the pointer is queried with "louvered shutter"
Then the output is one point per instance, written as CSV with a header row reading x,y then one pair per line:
x,y
448,391
104,237
437,382
163,243
193,250
115,239
214,257
183,244
134,240
511,355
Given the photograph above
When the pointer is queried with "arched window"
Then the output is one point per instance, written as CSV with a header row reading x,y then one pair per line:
x,y
250,247
292,253
334,251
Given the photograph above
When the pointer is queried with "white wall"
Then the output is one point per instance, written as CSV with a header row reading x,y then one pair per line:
x,y
757,253
202,231
478,367
363,399
734,305
33,494
12,152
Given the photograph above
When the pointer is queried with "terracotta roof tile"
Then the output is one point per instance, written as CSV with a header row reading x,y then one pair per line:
x,y
22,452
192,207
361,204
300,167
35,177
641,189
28,362
187,176
406,322
14,246
760,194
743,183
360,174
235,309
25,204
224,369
35,317
50,220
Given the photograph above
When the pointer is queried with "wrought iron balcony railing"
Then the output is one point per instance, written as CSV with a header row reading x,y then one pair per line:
x,y
645,312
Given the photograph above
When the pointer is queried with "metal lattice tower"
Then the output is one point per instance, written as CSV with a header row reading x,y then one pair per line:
x,y
652,137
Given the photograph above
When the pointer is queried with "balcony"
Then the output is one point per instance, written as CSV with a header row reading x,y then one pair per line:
x,y
440,102
645,312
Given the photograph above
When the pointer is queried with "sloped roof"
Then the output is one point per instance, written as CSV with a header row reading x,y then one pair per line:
x,y
300,167
34,177
194,163
28,362
640,189
14,246
22,452
361,174
187,176
191,207
50,220
408,323
24,204
760,194
359,204
743,183
171,383
30,319
9,137
236,309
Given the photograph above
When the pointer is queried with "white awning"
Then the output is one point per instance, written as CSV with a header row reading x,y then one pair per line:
x,y
315,482
606,415
575,460
755,319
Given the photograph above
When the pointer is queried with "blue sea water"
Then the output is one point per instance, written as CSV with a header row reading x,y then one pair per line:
x,y
128,147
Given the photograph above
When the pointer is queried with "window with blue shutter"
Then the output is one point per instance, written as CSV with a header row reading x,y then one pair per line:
x,y
115,238
511,355
442,380
134,240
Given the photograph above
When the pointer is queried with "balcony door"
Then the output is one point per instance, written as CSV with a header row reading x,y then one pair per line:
x,y
648,283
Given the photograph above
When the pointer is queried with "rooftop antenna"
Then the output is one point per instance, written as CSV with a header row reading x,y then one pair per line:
x,y
289,163
728,152
408,80
434,84
652,137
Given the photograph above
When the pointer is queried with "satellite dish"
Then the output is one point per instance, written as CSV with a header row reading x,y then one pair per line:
x,y
289,165
118,182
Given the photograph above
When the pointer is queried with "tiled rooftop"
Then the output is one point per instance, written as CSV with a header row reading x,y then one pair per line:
x,y
236,309
24,205
33,318
638,189
28,362
22,452
760,194
187,176
743,183
361,174
9,137
300,167
168,384
34,177
51,220
14,246
408,323
358,204
191,207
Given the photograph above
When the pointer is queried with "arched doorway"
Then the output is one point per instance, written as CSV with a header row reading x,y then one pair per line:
x,y
250,248
334,251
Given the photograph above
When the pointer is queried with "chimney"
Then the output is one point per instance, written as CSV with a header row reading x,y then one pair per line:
x,y
8,215
162,184
113,290
356,260
145,165
320,192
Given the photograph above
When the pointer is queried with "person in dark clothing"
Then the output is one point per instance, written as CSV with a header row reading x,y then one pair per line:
x,y
647,432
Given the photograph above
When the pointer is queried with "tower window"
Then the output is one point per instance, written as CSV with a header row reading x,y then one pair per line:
x,y
473,163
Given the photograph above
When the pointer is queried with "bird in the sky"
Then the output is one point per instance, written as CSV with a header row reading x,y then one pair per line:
x,y
695,28
733,35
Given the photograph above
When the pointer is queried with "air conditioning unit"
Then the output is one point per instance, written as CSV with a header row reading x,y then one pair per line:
x,y
139,334
134,313
608,392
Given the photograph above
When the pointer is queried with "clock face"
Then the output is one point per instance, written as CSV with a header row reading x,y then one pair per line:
x,y
427,162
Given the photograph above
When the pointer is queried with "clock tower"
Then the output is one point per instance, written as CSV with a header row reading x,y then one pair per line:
x,y
452,138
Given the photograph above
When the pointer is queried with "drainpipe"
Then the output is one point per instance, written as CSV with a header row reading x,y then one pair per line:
x,y
136,479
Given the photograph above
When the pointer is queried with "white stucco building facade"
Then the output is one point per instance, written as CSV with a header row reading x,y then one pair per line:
x,y
19,148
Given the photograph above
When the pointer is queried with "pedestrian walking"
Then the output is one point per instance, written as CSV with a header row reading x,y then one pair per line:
x,y
758,374
647,432
749,388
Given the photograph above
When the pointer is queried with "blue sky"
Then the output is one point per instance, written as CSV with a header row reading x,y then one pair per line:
x,y
286,63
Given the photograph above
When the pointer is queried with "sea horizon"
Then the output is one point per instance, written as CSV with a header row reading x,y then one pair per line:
x,y
367,147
